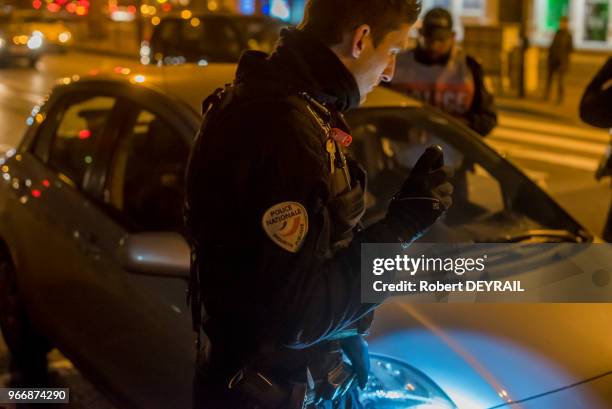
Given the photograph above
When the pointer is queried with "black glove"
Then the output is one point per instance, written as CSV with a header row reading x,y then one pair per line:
x,y
423,197
356,350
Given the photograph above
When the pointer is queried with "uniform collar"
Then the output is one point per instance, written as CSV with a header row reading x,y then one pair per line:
x,y
310,66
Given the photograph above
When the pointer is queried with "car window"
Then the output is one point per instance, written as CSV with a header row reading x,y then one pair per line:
x,y
389,143
147,174
260,35
195,39
76,134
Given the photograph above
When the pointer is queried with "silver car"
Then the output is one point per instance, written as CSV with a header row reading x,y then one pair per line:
x,y
92,260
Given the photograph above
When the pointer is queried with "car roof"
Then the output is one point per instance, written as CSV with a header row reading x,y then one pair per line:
x,y
191,83
205,15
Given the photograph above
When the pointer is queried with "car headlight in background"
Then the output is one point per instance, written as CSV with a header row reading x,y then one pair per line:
x,y
394,384
64,36
35,41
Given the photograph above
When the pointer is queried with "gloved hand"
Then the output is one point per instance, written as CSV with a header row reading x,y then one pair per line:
x,y
356,350
423,197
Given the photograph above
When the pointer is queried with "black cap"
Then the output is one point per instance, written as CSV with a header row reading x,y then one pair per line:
x,y
438,23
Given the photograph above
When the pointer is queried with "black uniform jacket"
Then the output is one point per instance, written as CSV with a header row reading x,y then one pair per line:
x,y
265,149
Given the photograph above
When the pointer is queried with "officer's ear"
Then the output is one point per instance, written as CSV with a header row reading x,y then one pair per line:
x,y
361,36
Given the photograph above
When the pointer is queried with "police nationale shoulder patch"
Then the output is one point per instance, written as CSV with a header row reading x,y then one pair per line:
x,y
287,225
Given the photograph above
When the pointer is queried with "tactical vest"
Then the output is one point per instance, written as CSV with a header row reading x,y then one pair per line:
x,y
449,87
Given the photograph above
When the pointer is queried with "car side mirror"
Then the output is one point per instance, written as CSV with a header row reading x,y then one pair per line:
x,y
156,254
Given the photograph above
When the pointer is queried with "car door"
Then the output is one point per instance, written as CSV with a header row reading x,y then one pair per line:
x,y
56,247
145,350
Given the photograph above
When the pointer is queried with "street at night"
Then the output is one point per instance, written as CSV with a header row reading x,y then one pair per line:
x,y
127,218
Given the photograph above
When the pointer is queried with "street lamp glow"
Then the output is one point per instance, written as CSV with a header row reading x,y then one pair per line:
x,y
64,37
186,14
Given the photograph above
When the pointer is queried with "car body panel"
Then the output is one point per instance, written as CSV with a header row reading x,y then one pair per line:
x,y
131,333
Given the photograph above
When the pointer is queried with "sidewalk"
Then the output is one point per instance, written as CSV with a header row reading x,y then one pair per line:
x,y
582,69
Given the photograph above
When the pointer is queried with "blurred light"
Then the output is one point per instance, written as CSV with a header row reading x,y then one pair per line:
x,y
2,42
125,71
155,20
28,183
195,22
144,9
71,7
167,7
186,14
145,49
158,56
118,69
94,72
6,177
161,1
88,159
280,9
64,37
18,157
35,42
23,199
145,60
122,16
76,78
139,78
213,5
30,121
39,118
53,7
36,193
10,153
37,4
247,6
81,10
84,133
46,183
152,10
202,63
5,168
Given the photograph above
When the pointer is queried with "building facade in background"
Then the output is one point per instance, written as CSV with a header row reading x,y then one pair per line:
x,y
590,22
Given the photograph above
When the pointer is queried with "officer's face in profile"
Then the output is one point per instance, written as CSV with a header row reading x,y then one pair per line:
x,y
369,63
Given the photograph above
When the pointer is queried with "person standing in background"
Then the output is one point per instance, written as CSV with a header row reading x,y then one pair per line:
x,y
596,110
439,73
559,59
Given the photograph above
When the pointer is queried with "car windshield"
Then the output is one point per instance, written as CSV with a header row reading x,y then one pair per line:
x,y
211,39
492,199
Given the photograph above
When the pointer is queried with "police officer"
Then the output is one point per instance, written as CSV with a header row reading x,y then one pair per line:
x,y
439,73
595,110
273,207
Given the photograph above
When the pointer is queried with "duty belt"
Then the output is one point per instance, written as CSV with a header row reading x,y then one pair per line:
x,y
267,393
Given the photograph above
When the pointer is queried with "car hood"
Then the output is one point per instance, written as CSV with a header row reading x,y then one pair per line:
x,y
484,355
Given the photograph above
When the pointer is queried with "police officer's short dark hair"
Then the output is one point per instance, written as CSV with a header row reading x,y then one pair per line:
x,y
329,20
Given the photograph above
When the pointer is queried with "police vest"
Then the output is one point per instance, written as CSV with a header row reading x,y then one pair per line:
x,y
449,87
